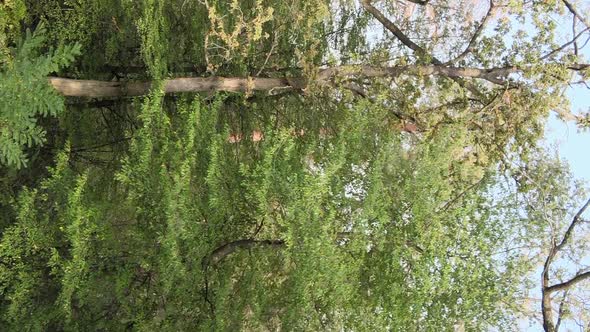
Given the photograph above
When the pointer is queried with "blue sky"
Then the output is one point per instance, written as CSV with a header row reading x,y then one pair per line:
x,y
573,144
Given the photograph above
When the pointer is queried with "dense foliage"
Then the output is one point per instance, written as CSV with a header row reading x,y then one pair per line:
x,y
359,202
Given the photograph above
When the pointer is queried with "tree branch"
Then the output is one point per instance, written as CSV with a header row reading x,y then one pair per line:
x,y
478,32
494,75
561,310
420,2
546,290
578,66
574,11
389,25
102,89
562,47
225,250
575,221
99,89
567,284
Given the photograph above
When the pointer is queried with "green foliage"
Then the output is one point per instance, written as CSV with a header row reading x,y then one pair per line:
x,y
307,210
29,279
26,94
71,22
152,28
11,13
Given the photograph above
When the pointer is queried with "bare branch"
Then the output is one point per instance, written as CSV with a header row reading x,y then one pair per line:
x,y
476,35
546,290
562,47
420,2
575,221
561,311
568,284
574,11
389,25
574,33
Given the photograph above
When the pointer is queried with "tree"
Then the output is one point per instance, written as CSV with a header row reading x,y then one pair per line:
x,y
553,208
564,286
157,214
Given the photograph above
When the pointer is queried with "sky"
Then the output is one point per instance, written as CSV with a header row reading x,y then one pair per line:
x,y
573,145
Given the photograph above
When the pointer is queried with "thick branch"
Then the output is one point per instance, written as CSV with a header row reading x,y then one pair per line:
x,y
561,311
389,25
568,233
97,89
567,284
101,89
546,308
546,290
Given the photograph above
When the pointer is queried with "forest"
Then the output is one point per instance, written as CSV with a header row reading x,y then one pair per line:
x,y
291,165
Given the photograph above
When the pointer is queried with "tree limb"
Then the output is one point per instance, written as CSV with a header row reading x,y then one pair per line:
x,y
102,89
560,312
389,25
574,11
575,221
98,89
567,284
578,66
476,35
420,2
546,290
225,250
562,47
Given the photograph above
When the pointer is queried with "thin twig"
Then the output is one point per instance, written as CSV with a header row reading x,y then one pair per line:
x,y
562,47
575,12
476,35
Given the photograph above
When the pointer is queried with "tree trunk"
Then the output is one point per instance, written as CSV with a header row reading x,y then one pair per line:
x,y
98,89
